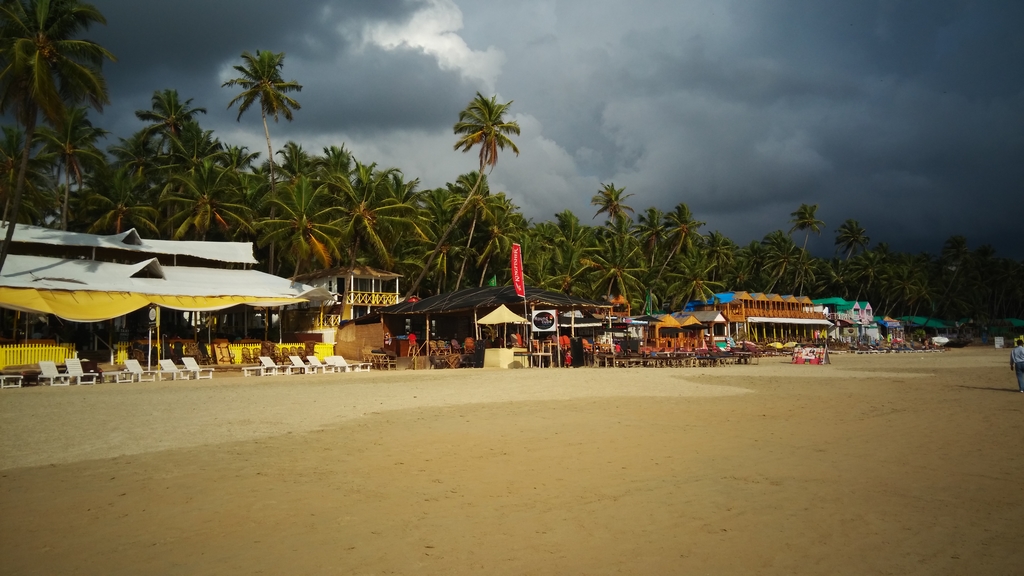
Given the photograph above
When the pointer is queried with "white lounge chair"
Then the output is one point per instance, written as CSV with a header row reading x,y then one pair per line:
x,y
266,368
298,364
318,365
167,367
78,374
49,372
340,362
192,366
134,372
10,381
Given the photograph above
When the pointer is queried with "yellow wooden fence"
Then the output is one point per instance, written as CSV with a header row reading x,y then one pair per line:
x,y
22,354
321,350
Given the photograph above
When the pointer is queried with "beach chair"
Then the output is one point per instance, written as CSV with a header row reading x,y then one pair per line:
x,y
193,367
10,380
133,369
318,365
77,374
298,364
50,372
167,367
340,362
272,369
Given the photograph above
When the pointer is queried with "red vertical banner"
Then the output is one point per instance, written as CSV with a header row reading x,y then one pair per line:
x,y
517,270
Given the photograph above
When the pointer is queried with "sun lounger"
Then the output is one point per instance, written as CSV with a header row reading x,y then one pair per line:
x,y
134,372
197,371
267,367
340,362
167,367
298,364
77,374
49,372
316,363
10,380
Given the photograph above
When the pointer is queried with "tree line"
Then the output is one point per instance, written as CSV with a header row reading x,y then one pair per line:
x,y
307,210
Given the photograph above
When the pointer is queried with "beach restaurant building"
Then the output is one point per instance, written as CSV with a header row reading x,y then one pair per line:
x,y
766,317
854,320
89,278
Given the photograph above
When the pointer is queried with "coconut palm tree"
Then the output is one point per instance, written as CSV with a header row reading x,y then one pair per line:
x,y
611,201
805,219
851,237
503,225
38,185
650,231
43,68
72,140
261,81
691,279
122,202
682,231
168,114
482,123
781,255
138,153
208,198
306,226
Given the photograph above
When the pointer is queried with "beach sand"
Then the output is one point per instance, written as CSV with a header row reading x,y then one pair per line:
x,y
876,464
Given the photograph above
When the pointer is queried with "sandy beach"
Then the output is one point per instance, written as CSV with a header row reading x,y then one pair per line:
x,y
876,464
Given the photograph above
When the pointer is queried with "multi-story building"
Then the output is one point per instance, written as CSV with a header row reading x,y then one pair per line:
x,y
355,291
759,316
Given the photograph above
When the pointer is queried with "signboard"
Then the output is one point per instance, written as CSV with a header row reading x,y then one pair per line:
x,y
544,320
1000,342
811,356
517,270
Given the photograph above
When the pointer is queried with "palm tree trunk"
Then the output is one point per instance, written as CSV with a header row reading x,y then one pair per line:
x,y
671,253
67,194
483,273
273,191
465,257
440,241
19,187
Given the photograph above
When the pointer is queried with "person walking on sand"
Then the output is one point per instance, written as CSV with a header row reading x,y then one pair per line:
x,y
1017,362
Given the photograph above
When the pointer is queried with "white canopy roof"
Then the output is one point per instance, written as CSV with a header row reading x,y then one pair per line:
x,y
234,252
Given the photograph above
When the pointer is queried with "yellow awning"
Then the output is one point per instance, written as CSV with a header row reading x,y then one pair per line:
x,y
94,306
74,305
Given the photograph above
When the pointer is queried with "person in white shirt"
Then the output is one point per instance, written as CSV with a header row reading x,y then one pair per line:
x,y
1017,362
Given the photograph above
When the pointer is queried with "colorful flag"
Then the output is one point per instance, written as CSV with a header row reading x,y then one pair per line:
x,y
493,281
517,270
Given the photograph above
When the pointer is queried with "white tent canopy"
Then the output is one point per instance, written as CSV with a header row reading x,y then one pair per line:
x,y
502,315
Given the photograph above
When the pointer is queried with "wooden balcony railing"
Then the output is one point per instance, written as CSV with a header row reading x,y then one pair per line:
x,y
372,298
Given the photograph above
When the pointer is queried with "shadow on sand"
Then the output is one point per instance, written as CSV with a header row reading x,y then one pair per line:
x,y
992,389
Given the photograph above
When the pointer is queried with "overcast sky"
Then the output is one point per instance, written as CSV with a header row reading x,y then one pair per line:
x,y
907,116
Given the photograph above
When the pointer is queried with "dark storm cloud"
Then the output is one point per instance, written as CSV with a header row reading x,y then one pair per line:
x,y
185,45
907,116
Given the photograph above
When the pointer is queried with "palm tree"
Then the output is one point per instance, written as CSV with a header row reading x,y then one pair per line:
x,y
682,229
37,181
168,114
650,231
851,237
138,153
804,219
207,198
261,80
610,201
43,67
481,123
693,280
122,202
781,255
307,226
503,226
73,141
478,203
